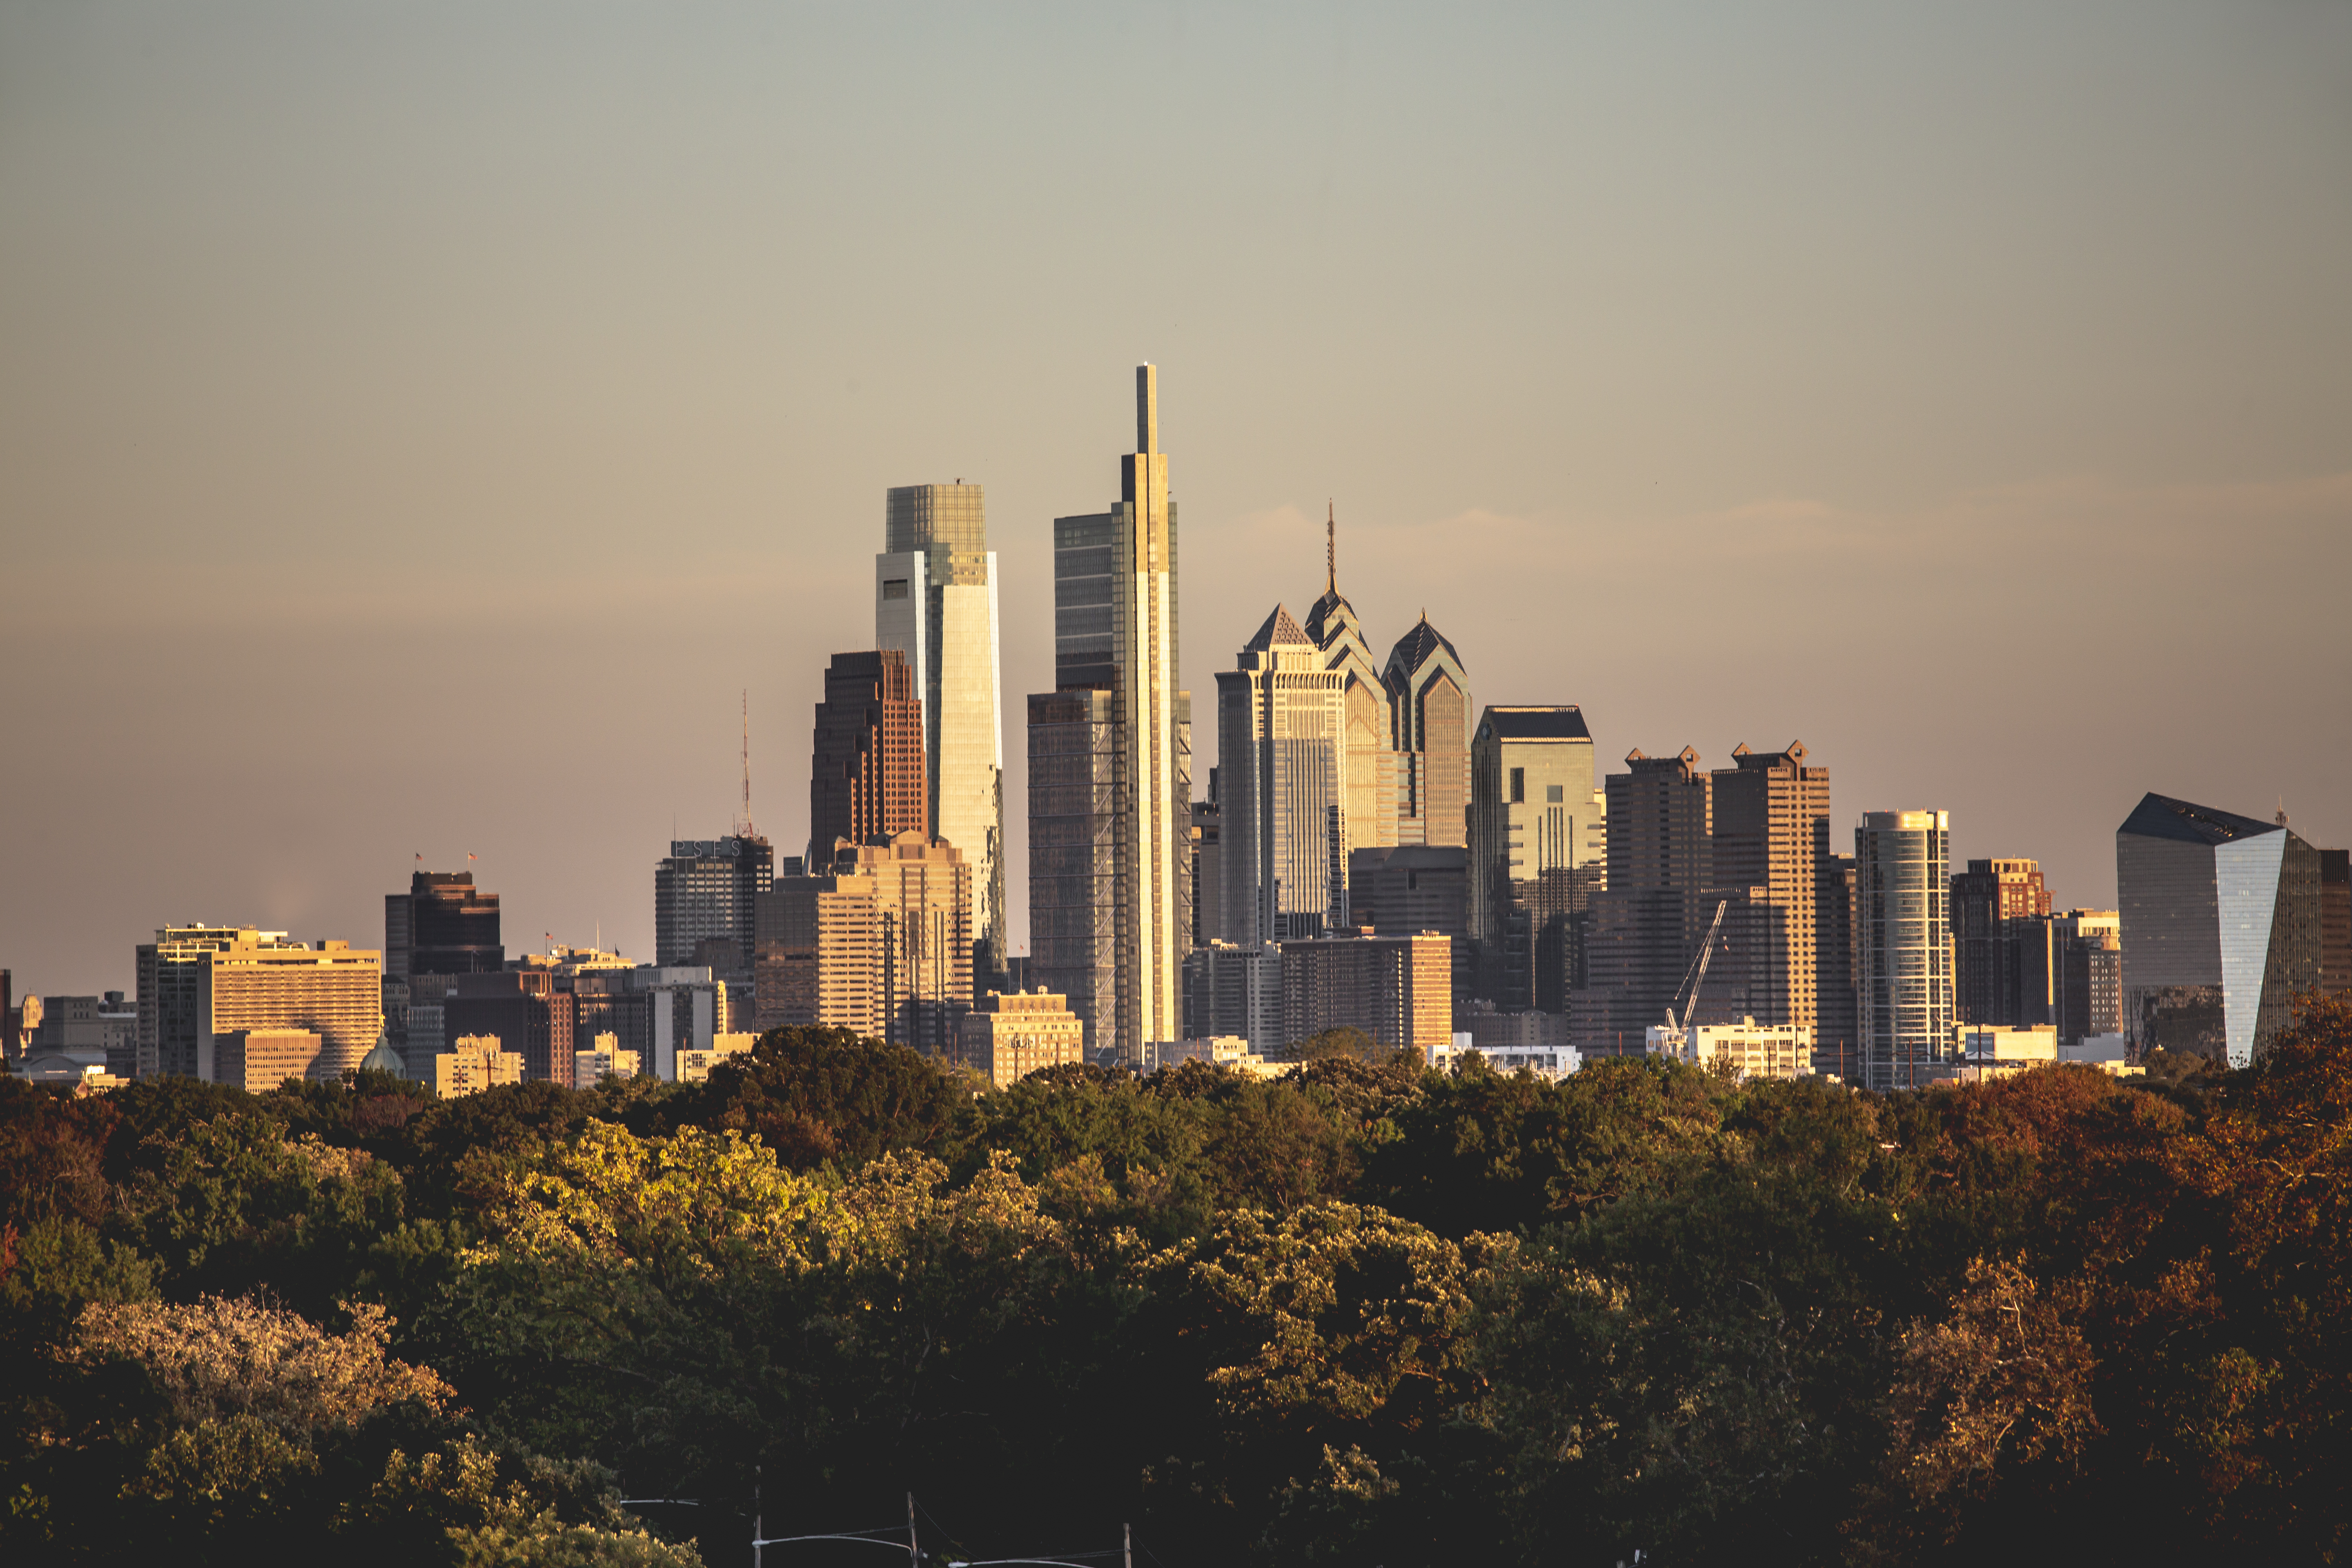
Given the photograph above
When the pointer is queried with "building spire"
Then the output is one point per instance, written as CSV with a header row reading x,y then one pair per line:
x,y
1331,550
1147,408
743,821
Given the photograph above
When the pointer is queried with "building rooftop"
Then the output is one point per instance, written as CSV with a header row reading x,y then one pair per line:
x,y
2161,816
1561,723
1417,647
1278,628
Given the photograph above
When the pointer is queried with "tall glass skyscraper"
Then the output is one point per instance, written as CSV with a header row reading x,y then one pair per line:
x,y
1281,742
935,601
1115,620
1903,939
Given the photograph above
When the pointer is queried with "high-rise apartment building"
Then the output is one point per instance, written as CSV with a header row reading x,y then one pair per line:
x,y
1770,827
1280,718
935,601
1993,963
1396,989
881,943
1429,720
2220,917
1538,842
1117,735
1903,869
866,774
198,982
705,890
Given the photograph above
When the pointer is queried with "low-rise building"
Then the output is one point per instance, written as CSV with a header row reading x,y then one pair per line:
x,y
1747,1048
1009,1036
1989,1050
608,1058
1554,1060
1224,1050
694,1066
476,1063
1397,989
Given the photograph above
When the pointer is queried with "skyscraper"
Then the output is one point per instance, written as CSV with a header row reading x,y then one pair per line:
x,y
2220,917
866,778
1280,760
705,890
197,982
1903,868
441,925
1646,925
1994,962
881,942
1368,740
1429,717
1771,827
935,601
1119,764
1537,838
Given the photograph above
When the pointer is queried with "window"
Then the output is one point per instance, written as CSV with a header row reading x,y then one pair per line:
x,y
1554,794
894,587
1518,785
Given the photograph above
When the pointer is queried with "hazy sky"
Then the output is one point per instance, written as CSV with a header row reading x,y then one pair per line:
x,y
419,422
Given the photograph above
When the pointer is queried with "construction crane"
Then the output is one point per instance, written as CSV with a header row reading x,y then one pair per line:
x,y
1696,975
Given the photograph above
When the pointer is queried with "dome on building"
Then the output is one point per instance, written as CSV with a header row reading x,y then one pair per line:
x,y
383,1059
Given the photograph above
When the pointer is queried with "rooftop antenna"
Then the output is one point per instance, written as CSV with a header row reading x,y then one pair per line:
x,y
1330,548
743,821
2282,811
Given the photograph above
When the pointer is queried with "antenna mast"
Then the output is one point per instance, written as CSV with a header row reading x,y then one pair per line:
x,y
1330,548
743,819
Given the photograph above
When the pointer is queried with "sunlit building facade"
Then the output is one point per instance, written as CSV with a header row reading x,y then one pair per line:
x,y
1903,869
1281,759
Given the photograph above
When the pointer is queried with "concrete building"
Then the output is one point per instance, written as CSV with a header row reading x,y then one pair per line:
x,y
1992,1050
475,1063
2221,922
1538,844
1902,877
866,774
881,943
605,1059
1746,1049
1645,926
1839,1030
2335,921
1497,1035
1224,1050
1769,831
1009,1036
99,1032
197,982
694,1066
1996,964
705,890
657,1010
1396,989
1209,868
1231,990
258,1060
1280,716
443,926
2087,990
1115,945
935,602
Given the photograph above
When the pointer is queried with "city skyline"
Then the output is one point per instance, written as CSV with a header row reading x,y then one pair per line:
x,y
514,437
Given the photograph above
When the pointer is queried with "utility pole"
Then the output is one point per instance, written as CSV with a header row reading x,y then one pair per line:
x,y
756,1532
1127,1545
914,1552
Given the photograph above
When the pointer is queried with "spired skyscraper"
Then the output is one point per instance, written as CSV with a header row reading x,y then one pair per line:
x,y
1110,768
935,601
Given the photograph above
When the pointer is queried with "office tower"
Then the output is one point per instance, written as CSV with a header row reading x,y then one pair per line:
x,y
1989,982
1408,887
1536,845
1009,1036
1368,763
704,890
881,944
441,925
2087,974
1209,867
2336,921
1838,1029
1770,823
867,777
1429,719
1279,729
197,982
1235,992
1397,989
2221,927
935,601
1647,924
1901,868
1110,759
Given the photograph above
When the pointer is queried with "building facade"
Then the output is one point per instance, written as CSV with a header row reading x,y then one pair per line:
x,y
1994,968
1280,718
1397,989
1903,935
1645,927
1429,726
2221,927
1770,828
197,982
1009,1036
1119,957
1536,850
472,1065
706,890
866,774
1235,991
935,601
881,944
1369,758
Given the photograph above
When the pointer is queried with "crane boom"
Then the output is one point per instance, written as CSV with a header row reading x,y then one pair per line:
x,y
1695,976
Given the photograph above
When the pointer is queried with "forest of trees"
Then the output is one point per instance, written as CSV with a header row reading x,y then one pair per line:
x,y
1361,1315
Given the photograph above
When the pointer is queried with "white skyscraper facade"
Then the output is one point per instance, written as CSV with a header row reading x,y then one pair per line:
x,y
935,602
1903,942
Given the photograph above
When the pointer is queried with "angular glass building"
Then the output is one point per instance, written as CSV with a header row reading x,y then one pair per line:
x,y
2221,927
